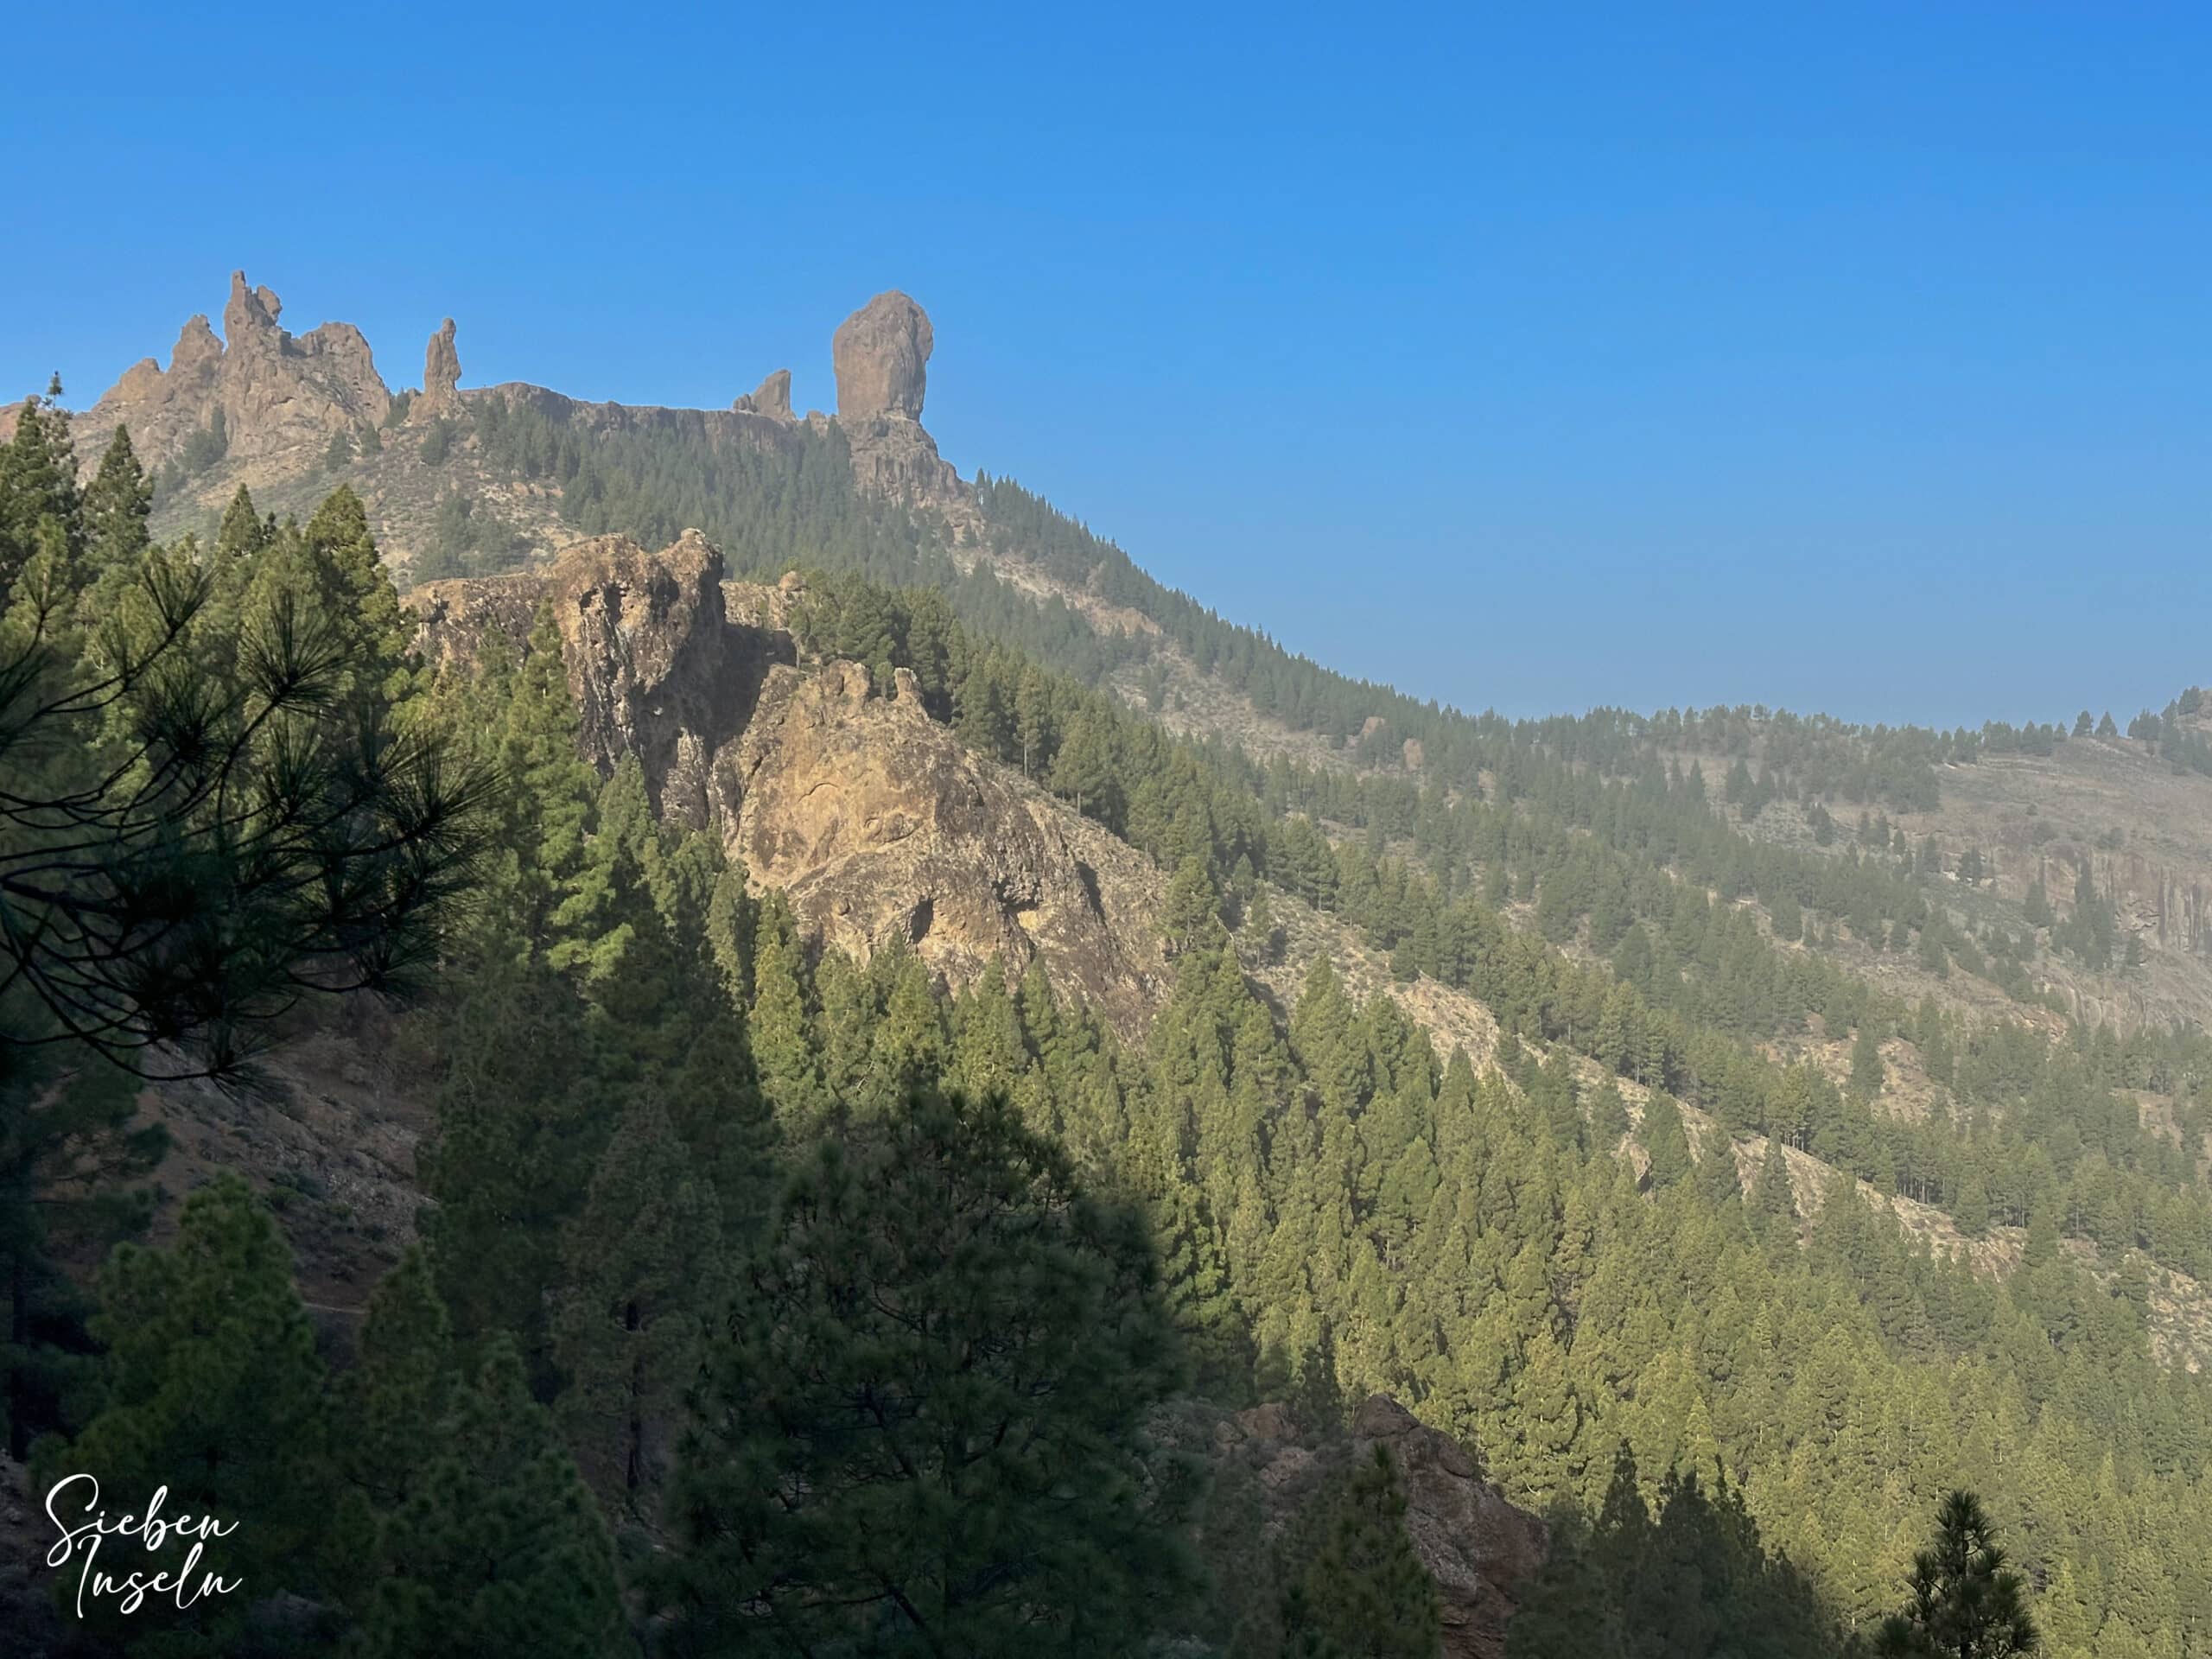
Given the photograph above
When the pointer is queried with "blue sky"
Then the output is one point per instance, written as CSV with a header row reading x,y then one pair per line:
x,y
1852,357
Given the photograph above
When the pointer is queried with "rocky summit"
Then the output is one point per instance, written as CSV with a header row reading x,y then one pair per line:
x,y
873,819
882,355
261,389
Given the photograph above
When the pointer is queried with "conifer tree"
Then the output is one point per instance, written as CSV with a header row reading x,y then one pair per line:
x,y
520,1123
644,1269
242,532
393,1404
1666,1140
1966,1601
1365,1593
920,1431
500,1555
1868,1073
1190,914
1773,1203
214,1390
784,1050
38,493
116,505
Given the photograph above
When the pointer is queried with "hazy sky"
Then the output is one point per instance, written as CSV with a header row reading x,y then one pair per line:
x,y
1852,357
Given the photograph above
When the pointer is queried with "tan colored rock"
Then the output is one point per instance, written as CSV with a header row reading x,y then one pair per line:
x,y
880,825
278,395
441,376
772,397
882,353
873,818
1416,757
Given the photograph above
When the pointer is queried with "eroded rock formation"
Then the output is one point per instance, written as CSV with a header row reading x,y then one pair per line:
x,y
772,397
870,814
441,376
274,392
1480,1548
882,353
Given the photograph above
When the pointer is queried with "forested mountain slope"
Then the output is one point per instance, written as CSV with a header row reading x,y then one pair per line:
x,y
1713,1094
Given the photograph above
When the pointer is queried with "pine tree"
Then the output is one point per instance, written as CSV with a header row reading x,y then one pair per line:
x,y
1364,1592
920,1431
520,1122
215,1391
644,1269
1966,1601
784,1050
1666,1140
243,532
116,505
394,1400
1773,1203
38,494
1867,1073
500,1555
1190,914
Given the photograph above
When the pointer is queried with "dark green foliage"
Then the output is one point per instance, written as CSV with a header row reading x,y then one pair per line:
x,y
72,1148
1966,1601
918,1434
498,1553
1363,1593
146,907
213,1390
1666,1140
117,504
467,538
242,532
216,808
39,513
1694,1581
644,1270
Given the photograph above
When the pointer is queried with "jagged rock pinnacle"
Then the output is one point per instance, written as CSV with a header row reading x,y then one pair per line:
x,y
772,397
882,353
441,369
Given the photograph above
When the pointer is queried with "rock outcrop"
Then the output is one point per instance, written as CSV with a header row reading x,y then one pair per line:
x,y
1480,1548
440,377
882,353
772,397
274,392
869,814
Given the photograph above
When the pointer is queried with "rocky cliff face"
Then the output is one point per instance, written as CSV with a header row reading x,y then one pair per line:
x,y
873,817
772,397
1480,1548
882,353
276,393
